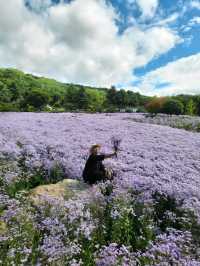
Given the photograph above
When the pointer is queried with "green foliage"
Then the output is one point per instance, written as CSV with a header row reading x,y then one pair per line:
x,y
180,104
172,106
156,105
190,103
81,99
165,206
111,109
58,110
8,107
133,99
24,236
132,228
27,180
111,96
26,92
96,99
169,213
124,220
190,108
198,128
30,108
141,109
128,110
122,98
197,99
5,95
36,98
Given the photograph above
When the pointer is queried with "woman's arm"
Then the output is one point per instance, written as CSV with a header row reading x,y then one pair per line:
x,y
106,156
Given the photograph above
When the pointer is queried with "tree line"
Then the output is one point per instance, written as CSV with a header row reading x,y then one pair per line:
x,y
26,92
178,105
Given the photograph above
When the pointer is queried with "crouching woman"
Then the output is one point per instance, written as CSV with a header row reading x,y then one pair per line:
x,y
94,170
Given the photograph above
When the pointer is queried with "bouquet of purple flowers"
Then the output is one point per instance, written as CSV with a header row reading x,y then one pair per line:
x,y
115,143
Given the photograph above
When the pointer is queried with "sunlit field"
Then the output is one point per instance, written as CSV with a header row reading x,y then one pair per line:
x,y
148,215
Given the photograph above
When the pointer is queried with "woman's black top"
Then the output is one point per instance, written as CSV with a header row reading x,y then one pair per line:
x,y
94,169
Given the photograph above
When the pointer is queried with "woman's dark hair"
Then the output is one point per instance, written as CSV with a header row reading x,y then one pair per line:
x,y
94,147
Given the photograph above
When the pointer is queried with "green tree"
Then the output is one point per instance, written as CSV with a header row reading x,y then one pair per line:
x,y
96,100
70,99
172,106
132,98
198,105
121,98
75,98
5,94
14,91
111,96
82,99
56,100
36,98
156,105
190,108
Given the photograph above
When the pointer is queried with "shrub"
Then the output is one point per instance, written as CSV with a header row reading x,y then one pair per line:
x,y
28,178
156,105
198,128
111,109
141,109
8,107
172,106
129,110
36,98
58,110
47,108
99,229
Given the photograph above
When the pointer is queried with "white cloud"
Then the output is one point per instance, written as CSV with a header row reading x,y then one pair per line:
x,y
39,5
171,19
181,76
77,42
148,7
195,4
151,43
194,21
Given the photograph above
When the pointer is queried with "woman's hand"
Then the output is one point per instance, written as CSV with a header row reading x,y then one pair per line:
x,y
115,153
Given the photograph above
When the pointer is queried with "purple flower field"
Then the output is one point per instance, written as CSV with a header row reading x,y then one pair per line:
x,y
191,123
151,156
151,159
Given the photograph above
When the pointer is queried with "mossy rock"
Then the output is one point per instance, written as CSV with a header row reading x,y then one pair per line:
x,y
62,190
3,228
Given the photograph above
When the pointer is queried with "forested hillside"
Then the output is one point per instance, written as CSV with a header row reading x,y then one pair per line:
x,y
26,92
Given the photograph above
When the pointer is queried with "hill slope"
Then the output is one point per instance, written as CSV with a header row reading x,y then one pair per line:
x,y
26,92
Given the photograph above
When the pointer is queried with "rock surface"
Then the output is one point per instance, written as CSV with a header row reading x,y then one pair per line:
x,y
3,227
62,190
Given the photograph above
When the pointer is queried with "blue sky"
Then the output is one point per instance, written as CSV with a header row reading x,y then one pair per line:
x,y
191,44
150,46
185,11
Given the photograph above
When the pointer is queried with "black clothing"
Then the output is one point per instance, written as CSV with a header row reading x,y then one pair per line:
x,y
94,169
